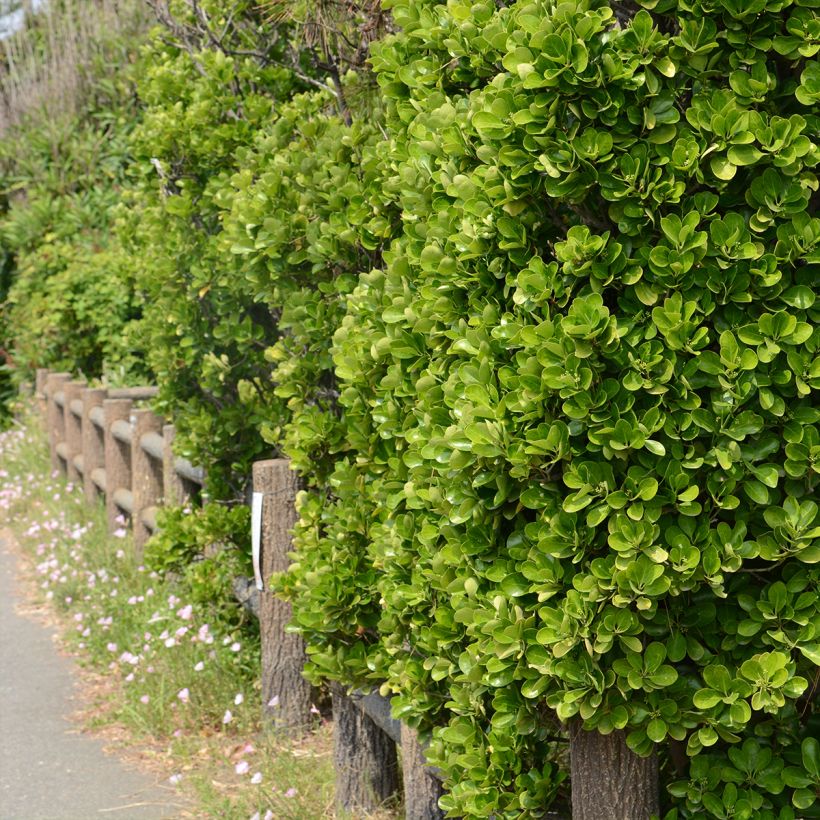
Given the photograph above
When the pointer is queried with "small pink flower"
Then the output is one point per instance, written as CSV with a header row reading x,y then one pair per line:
x,y
242,767
111,647
236,646
291,792
174,779
227,717
144,699
184,695
185,613
119,532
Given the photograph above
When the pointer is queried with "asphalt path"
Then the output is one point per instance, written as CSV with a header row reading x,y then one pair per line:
x,y
49,770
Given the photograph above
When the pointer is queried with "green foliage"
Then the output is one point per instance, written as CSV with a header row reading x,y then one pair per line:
x,y
542,338
67,291
581,399
203,338
207,548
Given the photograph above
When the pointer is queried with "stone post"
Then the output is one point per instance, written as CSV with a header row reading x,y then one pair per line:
x,y
146,474
173,487
286,695
73,430
364,757
93,442
40,395
56,429
422,789
117,457
609,781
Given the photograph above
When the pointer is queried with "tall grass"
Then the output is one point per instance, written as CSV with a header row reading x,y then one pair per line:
x,y
48,67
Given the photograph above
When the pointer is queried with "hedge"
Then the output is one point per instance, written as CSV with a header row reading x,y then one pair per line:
x,y
535,318
582,397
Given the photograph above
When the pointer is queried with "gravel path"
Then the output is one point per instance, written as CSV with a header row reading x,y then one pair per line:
x,y
48,769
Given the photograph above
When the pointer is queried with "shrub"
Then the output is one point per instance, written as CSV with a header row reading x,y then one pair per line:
x,y
581,394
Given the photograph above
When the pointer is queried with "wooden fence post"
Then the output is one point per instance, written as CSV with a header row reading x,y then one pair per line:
x,y
117,457
54,383
367,768
286,695
609,781
422,789
93,442
146,474
73,430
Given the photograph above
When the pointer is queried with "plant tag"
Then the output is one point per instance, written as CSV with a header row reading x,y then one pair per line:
x,y
256,538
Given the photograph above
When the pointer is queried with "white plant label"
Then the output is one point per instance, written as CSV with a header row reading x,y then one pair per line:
x,y
256,538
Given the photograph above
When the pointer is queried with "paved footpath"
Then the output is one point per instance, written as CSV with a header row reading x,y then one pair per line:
x,y
48,770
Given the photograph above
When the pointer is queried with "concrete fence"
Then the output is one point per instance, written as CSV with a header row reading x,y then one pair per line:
x,y
118,450
121,452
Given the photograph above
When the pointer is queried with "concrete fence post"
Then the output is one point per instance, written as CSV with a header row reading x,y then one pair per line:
x,y
364,757
40,395
117,457
54,416
422,789
609,781
173,488
73,430
93,442
286,695
146,474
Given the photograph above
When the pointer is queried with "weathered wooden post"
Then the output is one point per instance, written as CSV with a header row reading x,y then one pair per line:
x,y
117,456
367,768
73,430
286,695
422,789
93,442
146,472
54,415
609,781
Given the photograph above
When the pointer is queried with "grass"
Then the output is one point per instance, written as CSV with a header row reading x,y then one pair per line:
x,y
171,683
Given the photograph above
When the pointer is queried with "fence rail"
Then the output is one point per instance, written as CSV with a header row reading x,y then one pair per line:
x,y
132,469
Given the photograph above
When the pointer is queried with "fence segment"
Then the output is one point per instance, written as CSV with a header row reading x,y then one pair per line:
x,y
56,424
146,467
117,414
72,414
422,789
367,768
40,395
286,695
93,442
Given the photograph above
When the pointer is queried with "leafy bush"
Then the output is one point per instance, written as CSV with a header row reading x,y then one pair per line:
x,y
581,395
67,293
203,338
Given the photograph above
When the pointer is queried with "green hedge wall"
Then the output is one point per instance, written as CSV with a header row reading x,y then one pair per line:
x,y
582,398
536,319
